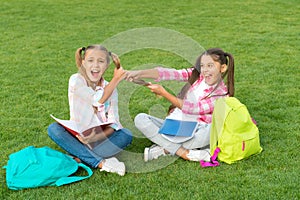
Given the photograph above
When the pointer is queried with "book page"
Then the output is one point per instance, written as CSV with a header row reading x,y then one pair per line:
x,y
74,128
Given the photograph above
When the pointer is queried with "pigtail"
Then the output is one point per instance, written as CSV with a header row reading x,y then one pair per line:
x,y
79,55
115,59
230,74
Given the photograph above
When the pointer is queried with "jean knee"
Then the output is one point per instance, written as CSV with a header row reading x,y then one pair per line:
x,y
127,135
54,130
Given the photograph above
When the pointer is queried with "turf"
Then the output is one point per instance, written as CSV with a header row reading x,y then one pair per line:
x,y
38,42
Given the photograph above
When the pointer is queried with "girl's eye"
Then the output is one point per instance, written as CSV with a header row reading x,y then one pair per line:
x,y
210,65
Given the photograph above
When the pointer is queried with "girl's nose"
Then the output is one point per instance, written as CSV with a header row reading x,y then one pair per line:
x,y
96,64
204,69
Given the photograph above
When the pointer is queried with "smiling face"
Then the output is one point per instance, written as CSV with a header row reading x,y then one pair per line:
x,y
95,64
211,70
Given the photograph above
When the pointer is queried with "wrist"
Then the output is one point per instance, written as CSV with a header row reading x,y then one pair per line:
x,y
116,79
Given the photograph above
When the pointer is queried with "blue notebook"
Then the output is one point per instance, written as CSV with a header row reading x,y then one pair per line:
x,y
179,128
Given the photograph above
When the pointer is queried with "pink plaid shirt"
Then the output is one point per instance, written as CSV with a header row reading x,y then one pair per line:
x,y
204,107
82,99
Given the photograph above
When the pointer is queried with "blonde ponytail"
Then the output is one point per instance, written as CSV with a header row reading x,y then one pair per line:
x,y
79,57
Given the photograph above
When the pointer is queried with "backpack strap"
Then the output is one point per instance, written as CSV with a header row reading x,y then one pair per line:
x,y
71,179
213,160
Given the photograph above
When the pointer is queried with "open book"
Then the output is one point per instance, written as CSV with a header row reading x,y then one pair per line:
x,y
73,128
177,130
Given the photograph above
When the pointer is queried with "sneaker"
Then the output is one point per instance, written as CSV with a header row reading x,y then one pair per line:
x,y
153,152
113,165
197,155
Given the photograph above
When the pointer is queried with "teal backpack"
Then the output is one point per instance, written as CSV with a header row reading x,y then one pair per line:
x,y
35,167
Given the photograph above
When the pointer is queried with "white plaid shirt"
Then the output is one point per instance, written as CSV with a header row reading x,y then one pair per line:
x,y
83,99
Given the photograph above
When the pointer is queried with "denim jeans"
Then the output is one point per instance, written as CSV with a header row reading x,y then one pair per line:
x,y
109,147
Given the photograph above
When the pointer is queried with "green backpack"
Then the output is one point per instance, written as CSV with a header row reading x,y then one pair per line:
x,y
35,167
233,131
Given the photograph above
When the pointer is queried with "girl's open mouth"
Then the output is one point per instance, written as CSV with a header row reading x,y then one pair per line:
x,y
95,74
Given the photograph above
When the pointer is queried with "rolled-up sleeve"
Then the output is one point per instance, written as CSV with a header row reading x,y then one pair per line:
x,y
97,96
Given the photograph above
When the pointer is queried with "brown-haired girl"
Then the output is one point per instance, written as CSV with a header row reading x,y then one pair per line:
x,y
94,101
194,103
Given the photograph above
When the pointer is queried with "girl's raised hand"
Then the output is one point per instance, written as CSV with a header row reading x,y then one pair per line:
x,y
119,73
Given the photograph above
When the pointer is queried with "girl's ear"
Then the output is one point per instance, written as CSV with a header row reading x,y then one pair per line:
x,y
223,68
83,62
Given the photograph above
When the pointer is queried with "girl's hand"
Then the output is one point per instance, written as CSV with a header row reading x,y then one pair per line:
x,y
157,89
88,139
132,75
119,73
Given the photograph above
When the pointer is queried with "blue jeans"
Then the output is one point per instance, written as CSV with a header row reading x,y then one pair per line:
x,y
109,147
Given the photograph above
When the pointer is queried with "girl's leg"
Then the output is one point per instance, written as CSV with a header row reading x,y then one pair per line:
x,y
70,144
201,138
149,126
111,146
189,150
114,144
193,155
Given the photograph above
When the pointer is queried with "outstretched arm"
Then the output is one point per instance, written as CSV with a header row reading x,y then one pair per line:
x,y
139,74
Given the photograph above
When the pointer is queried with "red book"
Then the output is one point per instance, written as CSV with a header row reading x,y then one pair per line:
x,y
73,128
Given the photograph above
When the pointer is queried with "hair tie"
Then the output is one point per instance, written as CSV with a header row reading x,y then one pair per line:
x,y
109,53
82,52
225,54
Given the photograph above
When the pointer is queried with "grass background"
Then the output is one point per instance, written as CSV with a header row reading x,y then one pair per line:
x,y
38,41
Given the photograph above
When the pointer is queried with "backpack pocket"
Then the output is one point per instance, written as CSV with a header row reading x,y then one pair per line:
x,y
238,146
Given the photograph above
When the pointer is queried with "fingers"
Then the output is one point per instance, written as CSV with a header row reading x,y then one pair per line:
x,y
81,139
120,73
155,88
131,75
128,76
87,139
92,133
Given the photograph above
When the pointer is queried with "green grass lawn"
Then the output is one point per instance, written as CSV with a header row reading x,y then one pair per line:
x,y
38,42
